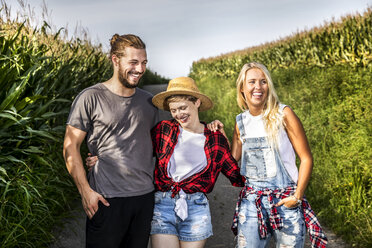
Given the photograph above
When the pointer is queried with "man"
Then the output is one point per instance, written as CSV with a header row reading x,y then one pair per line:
x,y
115,117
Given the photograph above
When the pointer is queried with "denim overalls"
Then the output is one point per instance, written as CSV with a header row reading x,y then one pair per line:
x,y
264,169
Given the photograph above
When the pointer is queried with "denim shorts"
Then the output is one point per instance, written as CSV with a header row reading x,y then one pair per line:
x,y
291,235
197,226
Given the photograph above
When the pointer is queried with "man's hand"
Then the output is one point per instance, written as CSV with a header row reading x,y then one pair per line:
x,y
90,201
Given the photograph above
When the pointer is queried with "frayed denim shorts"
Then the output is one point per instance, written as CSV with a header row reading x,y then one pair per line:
x,y
291,235
197,226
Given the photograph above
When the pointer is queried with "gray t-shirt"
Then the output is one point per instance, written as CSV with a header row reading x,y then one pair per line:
x,y
118,132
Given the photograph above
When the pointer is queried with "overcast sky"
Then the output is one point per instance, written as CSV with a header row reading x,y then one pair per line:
x,y
178,32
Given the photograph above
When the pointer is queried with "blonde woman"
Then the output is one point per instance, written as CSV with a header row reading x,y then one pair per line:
x,y
266,139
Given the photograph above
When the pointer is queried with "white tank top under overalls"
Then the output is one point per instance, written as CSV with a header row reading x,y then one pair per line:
x,y
262,165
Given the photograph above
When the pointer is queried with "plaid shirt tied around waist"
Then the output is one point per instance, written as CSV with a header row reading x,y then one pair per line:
x,y
219,159
316,234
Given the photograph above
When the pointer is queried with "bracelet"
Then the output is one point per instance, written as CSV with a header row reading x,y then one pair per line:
x,y
298,201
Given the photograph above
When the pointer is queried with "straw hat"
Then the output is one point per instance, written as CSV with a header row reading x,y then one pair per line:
x,y
182,86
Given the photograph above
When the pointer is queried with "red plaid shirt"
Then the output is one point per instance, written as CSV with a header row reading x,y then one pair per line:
x,y
164,139
316,233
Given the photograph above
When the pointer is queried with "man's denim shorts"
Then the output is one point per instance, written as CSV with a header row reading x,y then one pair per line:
x,y
197,226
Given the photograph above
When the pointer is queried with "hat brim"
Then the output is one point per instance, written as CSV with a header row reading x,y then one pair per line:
x,y
159,99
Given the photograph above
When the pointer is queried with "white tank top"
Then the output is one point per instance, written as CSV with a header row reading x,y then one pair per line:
x,y
188,157
254,128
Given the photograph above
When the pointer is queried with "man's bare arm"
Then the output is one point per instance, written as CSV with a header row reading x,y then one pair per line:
x,y
71,153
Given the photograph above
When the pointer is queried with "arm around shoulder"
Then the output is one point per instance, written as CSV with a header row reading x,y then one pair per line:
x,y
230,167
231,170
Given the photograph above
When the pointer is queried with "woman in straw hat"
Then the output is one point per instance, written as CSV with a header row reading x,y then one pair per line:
x,y
189,158
267,137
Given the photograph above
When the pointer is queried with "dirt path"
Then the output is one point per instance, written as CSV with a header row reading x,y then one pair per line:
x,y
222,203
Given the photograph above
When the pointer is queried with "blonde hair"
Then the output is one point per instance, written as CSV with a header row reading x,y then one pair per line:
x,y
120,42
271,115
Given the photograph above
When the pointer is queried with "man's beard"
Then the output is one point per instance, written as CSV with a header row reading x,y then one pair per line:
x,y
125,82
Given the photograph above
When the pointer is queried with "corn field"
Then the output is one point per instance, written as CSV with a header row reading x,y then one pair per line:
x,y
345,42
40,73
325,76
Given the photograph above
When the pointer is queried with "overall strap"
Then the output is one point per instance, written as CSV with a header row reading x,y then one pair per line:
x,y
239,122
281,107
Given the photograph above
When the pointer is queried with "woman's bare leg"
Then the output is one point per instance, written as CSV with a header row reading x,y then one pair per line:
x,y
164,240
193,244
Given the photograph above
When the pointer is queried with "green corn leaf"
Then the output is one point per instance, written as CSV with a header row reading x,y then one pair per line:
x,y
3,171
12,96
41,133
27,101
14,160
52,114
8,116
41,160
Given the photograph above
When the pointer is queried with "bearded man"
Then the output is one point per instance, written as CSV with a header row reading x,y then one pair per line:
x,y
115,117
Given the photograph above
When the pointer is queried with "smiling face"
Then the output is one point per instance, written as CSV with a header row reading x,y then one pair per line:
x,y
131,66
185,112
255,90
